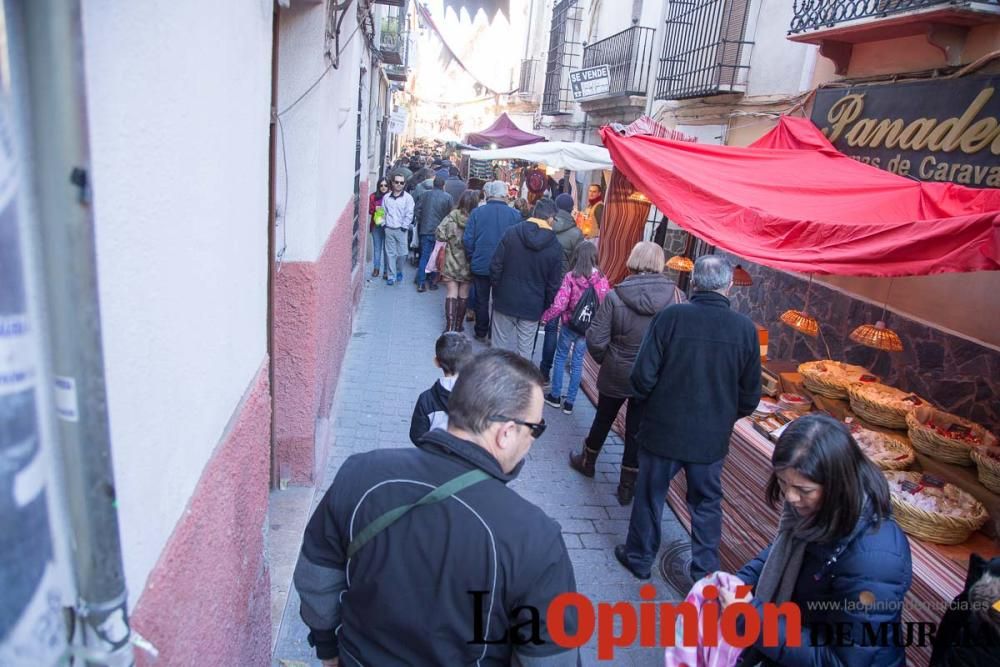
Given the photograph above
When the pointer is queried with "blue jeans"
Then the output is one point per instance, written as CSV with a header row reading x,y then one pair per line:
x,y
549,347
379,258
568,339
426,246
704,500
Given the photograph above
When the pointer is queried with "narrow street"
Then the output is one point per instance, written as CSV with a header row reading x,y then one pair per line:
x,y
389,362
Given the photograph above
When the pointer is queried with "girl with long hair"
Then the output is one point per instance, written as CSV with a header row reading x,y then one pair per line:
x,y
456,273
379,258
583,274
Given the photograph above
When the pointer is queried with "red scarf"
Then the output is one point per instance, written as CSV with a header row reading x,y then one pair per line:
x,y
595,199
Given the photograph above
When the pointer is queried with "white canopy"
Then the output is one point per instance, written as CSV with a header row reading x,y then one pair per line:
x,y
556,154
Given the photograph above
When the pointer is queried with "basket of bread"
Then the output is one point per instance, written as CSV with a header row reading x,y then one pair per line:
x,y
888,452
987,460
881,404
946,437
930,509
832,378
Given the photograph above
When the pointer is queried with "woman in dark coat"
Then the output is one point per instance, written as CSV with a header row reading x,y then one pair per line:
x,y
839,555
613,340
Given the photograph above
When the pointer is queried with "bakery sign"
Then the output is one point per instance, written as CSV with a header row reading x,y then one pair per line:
x,y
936,130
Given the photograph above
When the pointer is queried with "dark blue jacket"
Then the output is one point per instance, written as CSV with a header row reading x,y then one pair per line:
x,y
432,207
872,559
698,370
526,271
486,226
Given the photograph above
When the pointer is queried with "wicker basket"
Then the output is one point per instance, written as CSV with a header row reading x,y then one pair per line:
x,y
877,412
928,441
894,443
827,384
989,468
934,526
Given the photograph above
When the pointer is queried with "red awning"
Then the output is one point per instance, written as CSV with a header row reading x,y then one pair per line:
x,y
793,202
504,133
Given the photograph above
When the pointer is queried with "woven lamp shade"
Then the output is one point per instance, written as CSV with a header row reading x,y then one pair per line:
x,y
637,196
680,263
877,336
741,278
806,324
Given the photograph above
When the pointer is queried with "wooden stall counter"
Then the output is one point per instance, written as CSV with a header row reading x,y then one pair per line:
x,y
749,525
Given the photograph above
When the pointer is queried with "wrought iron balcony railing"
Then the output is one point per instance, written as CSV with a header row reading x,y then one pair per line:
x,y
392,40
564,53
816,14
526,84
705,51
627,55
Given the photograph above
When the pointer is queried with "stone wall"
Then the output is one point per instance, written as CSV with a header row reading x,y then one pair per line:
x,y
955,373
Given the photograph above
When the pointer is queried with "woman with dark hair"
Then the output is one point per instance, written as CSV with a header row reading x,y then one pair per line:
x,y
375,217
839,555
456,273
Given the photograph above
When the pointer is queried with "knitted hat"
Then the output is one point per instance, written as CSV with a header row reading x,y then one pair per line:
x,y
565,202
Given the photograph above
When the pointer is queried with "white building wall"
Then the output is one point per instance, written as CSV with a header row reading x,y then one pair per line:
x,y
319,130
178,96
777,63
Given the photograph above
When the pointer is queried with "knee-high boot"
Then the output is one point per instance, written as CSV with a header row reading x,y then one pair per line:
x,y
460,308
450,306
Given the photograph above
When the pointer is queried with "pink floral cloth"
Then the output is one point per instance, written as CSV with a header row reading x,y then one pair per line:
x,y
722,655
572,288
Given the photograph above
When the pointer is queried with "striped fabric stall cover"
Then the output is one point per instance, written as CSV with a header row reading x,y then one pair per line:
x,y
749,524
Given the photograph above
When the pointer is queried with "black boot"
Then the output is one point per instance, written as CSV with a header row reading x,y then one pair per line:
x,y
584,462
626,485
450,305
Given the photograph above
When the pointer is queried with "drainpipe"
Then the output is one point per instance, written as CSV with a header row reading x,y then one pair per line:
x,y
61,156
654,72
272,249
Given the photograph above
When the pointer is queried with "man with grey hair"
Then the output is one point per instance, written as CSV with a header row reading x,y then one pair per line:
x,y
485,227
424,556
697,372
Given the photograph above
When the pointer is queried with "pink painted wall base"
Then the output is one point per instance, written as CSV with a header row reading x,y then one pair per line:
x,y
207,601
313,312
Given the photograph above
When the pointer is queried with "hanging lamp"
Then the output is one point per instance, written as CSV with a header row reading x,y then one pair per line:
x,y
800,320
680,263
741,277
878,335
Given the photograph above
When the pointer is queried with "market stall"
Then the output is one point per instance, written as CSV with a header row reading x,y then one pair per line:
x,y
794,203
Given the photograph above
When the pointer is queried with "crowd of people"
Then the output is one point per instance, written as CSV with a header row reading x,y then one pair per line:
x,y
414,551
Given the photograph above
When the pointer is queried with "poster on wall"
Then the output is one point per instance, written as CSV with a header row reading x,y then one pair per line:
x,y
945,130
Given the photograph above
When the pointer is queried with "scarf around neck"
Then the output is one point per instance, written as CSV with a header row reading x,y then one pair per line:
x,y
596,199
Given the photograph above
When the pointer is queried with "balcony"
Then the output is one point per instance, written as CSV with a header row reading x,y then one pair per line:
x,y
396,73
627,55
836,25
704,50
526,83
392,40
564,53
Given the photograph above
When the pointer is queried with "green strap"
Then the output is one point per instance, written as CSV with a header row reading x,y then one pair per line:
x,y
446,490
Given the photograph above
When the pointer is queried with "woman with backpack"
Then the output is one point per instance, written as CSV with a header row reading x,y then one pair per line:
x,y
613,341
577,301
456,272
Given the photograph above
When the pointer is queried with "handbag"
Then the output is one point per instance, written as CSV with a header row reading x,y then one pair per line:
x,y
435,261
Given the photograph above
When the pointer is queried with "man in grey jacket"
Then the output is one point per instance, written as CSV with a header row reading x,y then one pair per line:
x,y
431,209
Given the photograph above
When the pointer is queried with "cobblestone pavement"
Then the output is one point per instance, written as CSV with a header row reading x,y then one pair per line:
x,y
389,362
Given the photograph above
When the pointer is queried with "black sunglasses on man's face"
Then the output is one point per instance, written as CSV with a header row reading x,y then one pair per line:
x,y
537,428
399,182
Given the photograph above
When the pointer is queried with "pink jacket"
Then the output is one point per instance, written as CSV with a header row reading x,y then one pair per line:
x,y
572,288
699,655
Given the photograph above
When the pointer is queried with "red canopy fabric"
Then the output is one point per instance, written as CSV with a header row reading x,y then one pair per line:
x,y
504,133
793,202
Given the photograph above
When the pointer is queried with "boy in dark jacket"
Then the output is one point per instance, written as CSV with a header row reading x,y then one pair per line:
x,y
451,352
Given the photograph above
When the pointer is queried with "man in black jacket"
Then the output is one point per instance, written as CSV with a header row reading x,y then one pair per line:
x,y
526,272
438,585
430,209
698,371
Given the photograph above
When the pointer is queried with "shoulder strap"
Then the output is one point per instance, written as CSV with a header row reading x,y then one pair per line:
x,y
446,490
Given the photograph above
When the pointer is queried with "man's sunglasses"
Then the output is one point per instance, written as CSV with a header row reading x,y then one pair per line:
x,y
536,428
399,182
